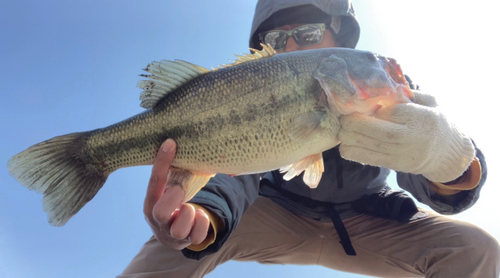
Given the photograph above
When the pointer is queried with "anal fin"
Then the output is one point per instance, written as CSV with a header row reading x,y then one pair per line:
x,y
312,166
191,182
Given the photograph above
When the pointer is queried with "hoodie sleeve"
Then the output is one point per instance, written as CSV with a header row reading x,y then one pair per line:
x,y
421,189
228,198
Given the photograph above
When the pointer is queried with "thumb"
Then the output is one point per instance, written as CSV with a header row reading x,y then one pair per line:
x,y
159,175
424,99
399,113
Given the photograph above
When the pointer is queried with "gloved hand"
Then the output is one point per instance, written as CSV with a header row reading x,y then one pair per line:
x,y
409,137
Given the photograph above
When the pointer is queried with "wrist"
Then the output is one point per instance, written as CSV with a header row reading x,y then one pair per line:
x,y
467,181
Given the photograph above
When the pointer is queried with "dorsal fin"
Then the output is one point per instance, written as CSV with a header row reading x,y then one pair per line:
x,y
267,51
166,76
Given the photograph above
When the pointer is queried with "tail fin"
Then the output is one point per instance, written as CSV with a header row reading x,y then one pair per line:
x,y
60,169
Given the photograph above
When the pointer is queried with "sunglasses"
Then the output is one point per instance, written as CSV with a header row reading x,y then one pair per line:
x,y
305,35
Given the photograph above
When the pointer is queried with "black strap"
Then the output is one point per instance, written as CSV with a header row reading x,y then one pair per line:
x,y
334,215
345,240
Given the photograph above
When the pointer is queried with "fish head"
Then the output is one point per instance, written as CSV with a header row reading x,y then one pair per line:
x,y
361,81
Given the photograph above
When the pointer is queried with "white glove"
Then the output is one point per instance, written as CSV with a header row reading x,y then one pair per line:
x,y
407,137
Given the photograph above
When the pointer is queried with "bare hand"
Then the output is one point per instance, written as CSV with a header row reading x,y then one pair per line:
x,y
173,222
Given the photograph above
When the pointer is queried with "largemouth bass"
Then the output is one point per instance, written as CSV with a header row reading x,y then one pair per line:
x,y
263,112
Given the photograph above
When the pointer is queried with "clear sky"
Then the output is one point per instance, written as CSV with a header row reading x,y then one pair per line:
x,y
70,66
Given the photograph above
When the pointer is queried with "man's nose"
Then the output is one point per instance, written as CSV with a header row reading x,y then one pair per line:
x,y
291,45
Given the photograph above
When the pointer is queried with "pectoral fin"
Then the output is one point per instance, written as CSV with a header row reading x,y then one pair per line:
x,y
313,167
191,182
306,125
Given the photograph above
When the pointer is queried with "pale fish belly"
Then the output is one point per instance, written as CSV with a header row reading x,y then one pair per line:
x,y
251,151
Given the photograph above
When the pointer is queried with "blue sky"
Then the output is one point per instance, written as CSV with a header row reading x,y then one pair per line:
x,y
71,66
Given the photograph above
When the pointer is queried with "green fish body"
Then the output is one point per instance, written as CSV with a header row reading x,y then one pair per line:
x,y
266,111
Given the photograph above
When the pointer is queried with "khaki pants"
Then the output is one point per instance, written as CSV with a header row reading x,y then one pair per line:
x,y
435,246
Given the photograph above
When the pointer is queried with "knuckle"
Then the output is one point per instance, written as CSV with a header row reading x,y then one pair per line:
x,y
178,234
160,216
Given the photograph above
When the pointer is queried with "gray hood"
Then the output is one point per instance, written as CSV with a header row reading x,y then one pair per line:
x,y
349,27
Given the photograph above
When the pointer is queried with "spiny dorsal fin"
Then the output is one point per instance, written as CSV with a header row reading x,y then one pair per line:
x,y
167,76
267,51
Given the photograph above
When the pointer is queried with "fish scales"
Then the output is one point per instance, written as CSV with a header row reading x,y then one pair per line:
x,y
249,117
217,117
243,122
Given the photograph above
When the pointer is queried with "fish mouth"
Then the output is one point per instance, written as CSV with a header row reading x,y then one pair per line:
x,y
387,87
394,70
362,82
395,89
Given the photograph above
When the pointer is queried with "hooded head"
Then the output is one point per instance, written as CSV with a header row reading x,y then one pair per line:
x,y
337,14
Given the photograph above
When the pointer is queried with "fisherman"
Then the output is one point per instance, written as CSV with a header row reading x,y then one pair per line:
x,y
381,232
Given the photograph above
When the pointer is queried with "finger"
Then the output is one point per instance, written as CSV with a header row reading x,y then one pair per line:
x,y
164,209
364,156
424,99
183,223
354,139
200,228
169,241
159,174
400,113
381,130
